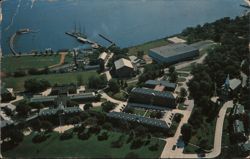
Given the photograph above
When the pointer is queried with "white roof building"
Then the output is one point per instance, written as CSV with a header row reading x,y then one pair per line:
x,y
103,56
123,63
176,40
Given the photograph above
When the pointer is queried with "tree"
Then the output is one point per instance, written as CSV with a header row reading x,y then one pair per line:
x,y
16,136
46,125
114,86
186,131
96,82
140,54
34,86
87,106
183,93
107,106
173,77
171,69
23,108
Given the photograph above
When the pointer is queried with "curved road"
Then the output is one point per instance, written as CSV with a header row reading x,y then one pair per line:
x,y
178,153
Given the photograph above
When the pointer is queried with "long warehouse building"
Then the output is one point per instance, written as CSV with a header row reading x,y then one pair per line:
x,y
173,53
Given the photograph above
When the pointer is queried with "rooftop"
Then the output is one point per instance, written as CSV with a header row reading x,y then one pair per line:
x,y
238,126
103,55
123,63
139,119
173,49
238,109
153,92
176,40
163,83
234,83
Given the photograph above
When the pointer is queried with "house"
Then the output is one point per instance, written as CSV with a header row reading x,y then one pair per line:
x,y
231,87
90,96
103,57
124,68
176,40
69,89
238,130
152,97
7,94
173,53
238,109
244,148
154,84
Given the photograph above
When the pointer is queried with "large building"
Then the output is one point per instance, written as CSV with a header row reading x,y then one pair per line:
x,y
124,68
152,97
173,53
139,119
165,85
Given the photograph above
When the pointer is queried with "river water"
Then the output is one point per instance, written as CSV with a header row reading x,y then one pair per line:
x,y
126,22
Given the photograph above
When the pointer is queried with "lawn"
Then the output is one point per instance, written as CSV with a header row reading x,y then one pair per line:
x,y
91,148
13,63
65,78
118,96
147,46
206,131
98,109
139,111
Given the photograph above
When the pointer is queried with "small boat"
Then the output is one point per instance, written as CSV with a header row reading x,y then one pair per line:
x,y
23,31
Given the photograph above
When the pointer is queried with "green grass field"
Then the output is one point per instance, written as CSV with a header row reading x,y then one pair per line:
x,y
147,46
91,148
13,63
206,131
65,78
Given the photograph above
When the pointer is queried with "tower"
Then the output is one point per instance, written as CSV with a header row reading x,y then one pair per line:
x,y
226,88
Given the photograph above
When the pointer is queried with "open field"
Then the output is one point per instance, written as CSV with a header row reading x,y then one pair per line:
x,y
74,147
13,63
65,78
147,46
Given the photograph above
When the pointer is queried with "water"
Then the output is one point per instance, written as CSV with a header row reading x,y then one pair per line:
x,y
126,22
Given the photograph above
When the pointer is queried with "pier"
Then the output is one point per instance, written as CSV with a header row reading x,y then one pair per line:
x,y
110,41
82,38
12,38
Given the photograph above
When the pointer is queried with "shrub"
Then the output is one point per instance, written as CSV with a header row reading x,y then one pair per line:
x,y
137,143
103,136
66,135
83,136
39,138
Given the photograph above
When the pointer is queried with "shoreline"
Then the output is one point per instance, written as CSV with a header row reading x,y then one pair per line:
x,y
248,2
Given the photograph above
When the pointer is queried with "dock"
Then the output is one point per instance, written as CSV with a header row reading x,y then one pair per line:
x,y
107,39
82,38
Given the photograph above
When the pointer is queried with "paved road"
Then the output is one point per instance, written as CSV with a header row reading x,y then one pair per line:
x,y
177,153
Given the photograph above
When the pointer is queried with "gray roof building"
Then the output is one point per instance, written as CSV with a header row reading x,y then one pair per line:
x,y
152,97
173,53
238,109
169,86
238,126
152,92
139,119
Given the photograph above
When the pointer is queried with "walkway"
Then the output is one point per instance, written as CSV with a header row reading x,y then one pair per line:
x,y
120,104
